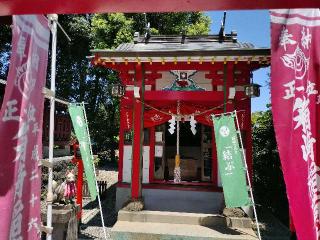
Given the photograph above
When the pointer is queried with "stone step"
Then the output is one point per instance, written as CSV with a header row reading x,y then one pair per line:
x,y
207,220
124,230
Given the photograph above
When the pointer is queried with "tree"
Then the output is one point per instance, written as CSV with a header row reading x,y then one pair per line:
x,y
110,30
269,186
193,23
77,80
5,48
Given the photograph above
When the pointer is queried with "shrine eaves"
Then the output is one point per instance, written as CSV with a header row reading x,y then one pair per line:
x,y
182,50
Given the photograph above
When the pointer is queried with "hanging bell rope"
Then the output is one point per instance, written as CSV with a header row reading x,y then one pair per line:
x,y
177,170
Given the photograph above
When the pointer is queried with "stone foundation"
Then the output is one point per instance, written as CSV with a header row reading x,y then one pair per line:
x,y
175,200
64,222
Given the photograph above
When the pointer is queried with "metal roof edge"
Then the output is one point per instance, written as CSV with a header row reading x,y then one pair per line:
x,y
178,53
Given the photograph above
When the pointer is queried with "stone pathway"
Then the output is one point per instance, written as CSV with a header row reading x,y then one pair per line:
x,y
91,227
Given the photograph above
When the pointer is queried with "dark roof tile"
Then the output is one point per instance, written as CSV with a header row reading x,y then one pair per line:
x,y
179,45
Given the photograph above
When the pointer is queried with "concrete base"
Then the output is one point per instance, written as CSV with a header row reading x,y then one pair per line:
x,y
175,200
206,220
164,231
154,225
64,222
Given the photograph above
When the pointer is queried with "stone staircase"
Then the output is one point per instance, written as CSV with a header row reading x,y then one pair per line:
x,y
156,225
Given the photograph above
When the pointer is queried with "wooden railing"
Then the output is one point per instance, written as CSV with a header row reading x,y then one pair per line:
x,y
102,185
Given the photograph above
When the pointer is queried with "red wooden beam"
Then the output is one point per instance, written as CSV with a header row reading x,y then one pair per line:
x,y
150,78
126,78
137,138
192,96
168,66
79,163
79,187
10,7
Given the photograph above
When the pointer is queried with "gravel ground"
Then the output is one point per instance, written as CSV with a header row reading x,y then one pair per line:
x,y
92,226
107,174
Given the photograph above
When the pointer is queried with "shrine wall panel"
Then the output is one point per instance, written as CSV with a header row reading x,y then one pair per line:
x,y
145,164
127,164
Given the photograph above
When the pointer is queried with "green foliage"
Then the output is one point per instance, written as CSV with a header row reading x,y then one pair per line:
x,y
172,23
200,26
269,186
110,30
72,65
96,161
5,48
77,80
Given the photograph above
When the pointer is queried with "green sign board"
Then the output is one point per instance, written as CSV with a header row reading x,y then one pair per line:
x,y
230,161
81,130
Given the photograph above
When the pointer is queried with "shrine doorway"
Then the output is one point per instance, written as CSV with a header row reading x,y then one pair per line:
x,y
195,154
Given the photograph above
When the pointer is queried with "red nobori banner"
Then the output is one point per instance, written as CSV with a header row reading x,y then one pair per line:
x,y
21,129
295,99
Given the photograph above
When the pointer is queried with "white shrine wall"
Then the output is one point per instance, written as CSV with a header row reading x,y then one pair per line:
x,y
127,164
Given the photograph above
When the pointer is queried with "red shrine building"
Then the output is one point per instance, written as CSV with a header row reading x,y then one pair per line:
x,y
186,79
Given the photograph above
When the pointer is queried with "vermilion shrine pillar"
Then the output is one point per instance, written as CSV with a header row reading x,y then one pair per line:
x,y
137,149
77,160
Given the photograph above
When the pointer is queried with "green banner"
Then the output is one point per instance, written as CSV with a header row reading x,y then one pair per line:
x,y
81,130
230,161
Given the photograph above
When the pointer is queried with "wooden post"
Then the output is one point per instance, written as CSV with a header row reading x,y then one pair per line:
x,y
79,163
137,149
79,187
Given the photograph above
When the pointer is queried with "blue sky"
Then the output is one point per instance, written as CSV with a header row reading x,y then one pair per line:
x,y
253,27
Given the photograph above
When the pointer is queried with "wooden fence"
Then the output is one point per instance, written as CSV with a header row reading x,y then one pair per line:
x,y
102,185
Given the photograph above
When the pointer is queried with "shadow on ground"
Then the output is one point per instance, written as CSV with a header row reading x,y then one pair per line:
x,y
271,228
109,213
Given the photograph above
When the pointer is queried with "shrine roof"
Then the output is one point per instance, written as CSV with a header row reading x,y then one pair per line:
x,y
181,46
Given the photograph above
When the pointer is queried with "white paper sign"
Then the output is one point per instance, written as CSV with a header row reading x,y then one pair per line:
x,y
136,92
158,151
232,92
158,136
127,162
145,167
